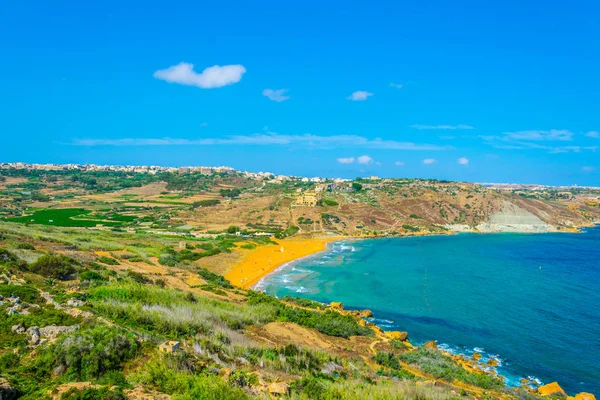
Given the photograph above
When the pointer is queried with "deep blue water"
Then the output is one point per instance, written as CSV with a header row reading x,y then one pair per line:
x,y
533,301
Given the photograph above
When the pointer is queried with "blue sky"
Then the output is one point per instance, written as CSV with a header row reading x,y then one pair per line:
x,y
458,90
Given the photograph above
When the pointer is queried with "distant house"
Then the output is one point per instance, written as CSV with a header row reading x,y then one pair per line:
x,y
307,199
169,347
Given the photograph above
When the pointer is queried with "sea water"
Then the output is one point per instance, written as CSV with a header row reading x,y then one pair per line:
x,y
532,301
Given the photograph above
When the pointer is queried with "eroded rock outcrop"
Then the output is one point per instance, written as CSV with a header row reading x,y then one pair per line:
x,y
36,334
551,388
513,218
397,335
582,396
432,345
278,388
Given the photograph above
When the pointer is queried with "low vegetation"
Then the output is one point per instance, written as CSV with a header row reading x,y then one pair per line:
x,y
113,264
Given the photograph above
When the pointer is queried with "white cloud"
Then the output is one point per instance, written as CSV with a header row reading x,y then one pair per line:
x,y
345,160
429,161
588,169
212,77
538,135
276,95
364,160
442,127
396,85
537,140
399,164
593,134
359,95
463,161
269,138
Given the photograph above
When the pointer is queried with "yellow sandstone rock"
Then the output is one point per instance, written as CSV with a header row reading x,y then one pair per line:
x,y
397,335
492,362
278,388
377,330
583,396
551,388
336,305
366,313
476,356
431,345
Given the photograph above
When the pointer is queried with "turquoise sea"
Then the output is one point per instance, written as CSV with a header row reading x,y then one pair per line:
x,y
532,301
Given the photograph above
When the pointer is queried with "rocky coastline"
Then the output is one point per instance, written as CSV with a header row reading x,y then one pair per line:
x,y
472,364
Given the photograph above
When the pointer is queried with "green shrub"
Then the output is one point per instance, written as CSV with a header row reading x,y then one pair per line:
x,y
248,246
387,360
25,246
93,394
311,387
170,260
213,289
233,229
443,367
357,187
91,276
175,378
303,302
289,231
54,265
205,246
232,193
411,228
108,260
242,379
205,203
329,322
6,256
138,277
26,293
87,355
216,279
329,202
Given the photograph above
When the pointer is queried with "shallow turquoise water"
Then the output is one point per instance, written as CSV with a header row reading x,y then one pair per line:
x,y
533,301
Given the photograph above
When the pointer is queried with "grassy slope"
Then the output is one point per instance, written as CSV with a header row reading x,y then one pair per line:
x,y
232,347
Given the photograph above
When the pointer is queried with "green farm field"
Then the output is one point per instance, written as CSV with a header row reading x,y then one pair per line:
x,y
71,217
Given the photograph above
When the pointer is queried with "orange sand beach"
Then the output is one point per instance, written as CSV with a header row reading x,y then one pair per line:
x,y
263,260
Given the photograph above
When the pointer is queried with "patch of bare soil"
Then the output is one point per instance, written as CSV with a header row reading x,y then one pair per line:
x,y
152,189
11,180
221,263
249,209
284,333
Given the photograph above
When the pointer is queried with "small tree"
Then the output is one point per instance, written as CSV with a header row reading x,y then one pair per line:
x,y
357,187
233,229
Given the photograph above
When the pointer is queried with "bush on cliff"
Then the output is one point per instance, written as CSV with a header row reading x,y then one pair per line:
x,y
329,322
443,367
216,279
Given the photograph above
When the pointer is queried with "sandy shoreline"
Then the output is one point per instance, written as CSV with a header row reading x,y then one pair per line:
x,y
259,262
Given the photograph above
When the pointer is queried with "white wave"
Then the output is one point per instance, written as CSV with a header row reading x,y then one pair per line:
x,y
380,321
